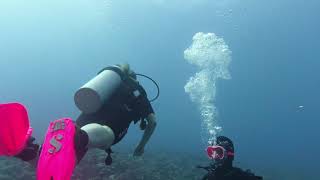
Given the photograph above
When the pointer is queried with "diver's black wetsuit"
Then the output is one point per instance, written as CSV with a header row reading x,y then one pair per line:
x,y
231,173
129,103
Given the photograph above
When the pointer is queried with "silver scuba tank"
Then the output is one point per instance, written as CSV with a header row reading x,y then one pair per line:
x,y
91,96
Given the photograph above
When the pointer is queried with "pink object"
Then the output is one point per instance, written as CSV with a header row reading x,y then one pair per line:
x,y
218,152
58,157
15,129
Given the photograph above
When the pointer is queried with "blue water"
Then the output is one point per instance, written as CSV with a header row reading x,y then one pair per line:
x,y
48,49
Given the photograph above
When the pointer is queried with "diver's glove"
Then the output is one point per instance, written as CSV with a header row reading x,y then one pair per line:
x,y
30,151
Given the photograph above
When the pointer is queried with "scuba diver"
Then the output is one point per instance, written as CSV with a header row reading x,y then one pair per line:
x,y
108,103
222,154
104,124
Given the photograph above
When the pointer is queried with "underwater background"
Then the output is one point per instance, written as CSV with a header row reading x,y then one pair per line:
x,y
269,107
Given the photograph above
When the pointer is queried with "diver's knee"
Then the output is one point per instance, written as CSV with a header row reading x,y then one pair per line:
x,y
99,136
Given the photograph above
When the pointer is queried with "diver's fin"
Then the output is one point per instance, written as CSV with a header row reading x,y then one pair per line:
x,y
15,129
58,156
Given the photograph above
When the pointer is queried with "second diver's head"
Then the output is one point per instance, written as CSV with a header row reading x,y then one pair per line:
x,y
222,152
125,67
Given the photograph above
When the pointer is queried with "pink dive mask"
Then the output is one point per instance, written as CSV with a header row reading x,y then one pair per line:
x,y
218,152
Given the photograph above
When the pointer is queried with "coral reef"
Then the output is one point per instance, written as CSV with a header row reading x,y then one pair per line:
x,y
152,166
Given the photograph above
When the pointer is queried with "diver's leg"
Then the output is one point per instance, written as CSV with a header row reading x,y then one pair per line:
x,y
81,140
32,150
30,153
100,136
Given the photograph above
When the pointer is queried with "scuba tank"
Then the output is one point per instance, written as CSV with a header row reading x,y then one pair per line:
x,y
92,95
95,93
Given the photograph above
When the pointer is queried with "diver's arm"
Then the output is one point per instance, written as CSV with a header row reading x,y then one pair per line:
x,y
151,125
30,153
